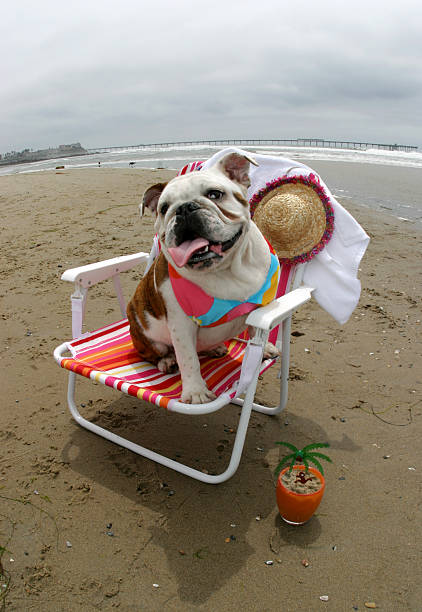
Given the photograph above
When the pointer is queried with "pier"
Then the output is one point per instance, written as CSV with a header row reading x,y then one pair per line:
x,y
293,142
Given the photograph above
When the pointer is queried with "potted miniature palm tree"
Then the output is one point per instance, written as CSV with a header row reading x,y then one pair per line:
x,y
300,487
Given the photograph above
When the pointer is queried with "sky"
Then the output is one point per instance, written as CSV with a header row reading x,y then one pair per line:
x,y
134,72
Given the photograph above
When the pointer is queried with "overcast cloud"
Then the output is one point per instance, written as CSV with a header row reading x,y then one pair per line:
x,y
129,72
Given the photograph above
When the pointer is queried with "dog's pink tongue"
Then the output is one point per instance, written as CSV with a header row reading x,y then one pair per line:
x,y
184,251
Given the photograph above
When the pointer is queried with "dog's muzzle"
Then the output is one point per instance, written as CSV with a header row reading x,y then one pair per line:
x,y
186,209
192,248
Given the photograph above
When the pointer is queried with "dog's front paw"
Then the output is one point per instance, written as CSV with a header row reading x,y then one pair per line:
x,y
270,351
199,395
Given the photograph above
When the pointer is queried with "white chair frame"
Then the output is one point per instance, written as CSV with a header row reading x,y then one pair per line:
x,y
263,320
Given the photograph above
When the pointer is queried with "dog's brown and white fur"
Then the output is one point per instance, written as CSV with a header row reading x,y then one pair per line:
x,y
209,209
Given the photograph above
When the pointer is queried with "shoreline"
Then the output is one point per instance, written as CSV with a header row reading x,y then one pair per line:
x,y
357,386
326,170
394,190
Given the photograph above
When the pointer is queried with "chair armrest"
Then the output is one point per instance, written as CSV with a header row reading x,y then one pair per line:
x,y
269,316
86,276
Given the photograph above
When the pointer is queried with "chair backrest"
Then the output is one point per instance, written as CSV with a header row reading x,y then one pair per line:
x,y
291,276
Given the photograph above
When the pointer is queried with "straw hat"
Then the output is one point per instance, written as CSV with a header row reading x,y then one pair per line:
x,y
295,215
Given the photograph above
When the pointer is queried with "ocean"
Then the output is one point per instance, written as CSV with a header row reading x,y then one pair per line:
x,y
389,181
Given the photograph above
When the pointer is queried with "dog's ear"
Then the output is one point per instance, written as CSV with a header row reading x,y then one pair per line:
x,y
236,167
151,197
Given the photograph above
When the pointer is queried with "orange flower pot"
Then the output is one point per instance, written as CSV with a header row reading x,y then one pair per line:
x,y
297,508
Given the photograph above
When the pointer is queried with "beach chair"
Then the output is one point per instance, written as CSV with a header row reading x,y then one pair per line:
x,y
295,212
107,356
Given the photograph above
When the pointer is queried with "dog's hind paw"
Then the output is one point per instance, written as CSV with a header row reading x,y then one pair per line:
x,y
168,364
218,351
270,351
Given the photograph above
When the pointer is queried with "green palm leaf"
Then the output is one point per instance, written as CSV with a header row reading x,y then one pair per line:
x,y
305,455
311,447
316,462
284,461
291,446
287,458
321,456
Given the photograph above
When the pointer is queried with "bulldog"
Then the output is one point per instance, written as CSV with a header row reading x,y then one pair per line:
x,y
214,267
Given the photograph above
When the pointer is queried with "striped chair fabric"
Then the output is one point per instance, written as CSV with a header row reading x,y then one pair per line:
x,y
108,356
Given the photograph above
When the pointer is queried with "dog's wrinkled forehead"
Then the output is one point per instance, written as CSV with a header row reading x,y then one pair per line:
x,y
220,186
199,184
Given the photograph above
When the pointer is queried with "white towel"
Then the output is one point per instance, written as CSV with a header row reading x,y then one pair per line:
x,y
333,272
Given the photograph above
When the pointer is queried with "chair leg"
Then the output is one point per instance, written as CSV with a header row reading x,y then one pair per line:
x,y
285,362
283,375
162,459
258,407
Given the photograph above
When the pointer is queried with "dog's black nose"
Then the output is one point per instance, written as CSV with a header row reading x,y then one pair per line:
x,y
186,209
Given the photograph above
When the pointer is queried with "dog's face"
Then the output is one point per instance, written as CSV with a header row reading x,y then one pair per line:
x,y
203,217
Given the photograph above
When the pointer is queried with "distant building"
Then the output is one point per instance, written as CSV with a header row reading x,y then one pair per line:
x,y
27,155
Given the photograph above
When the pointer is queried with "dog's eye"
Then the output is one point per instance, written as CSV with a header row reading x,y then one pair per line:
x,y
164,208
214,194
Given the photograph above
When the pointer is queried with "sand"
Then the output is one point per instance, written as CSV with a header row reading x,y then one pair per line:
x,y
86,525
302,483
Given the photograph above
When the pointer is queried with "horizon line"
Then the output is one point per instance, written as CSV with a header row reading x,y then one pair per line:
x,y
348,144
